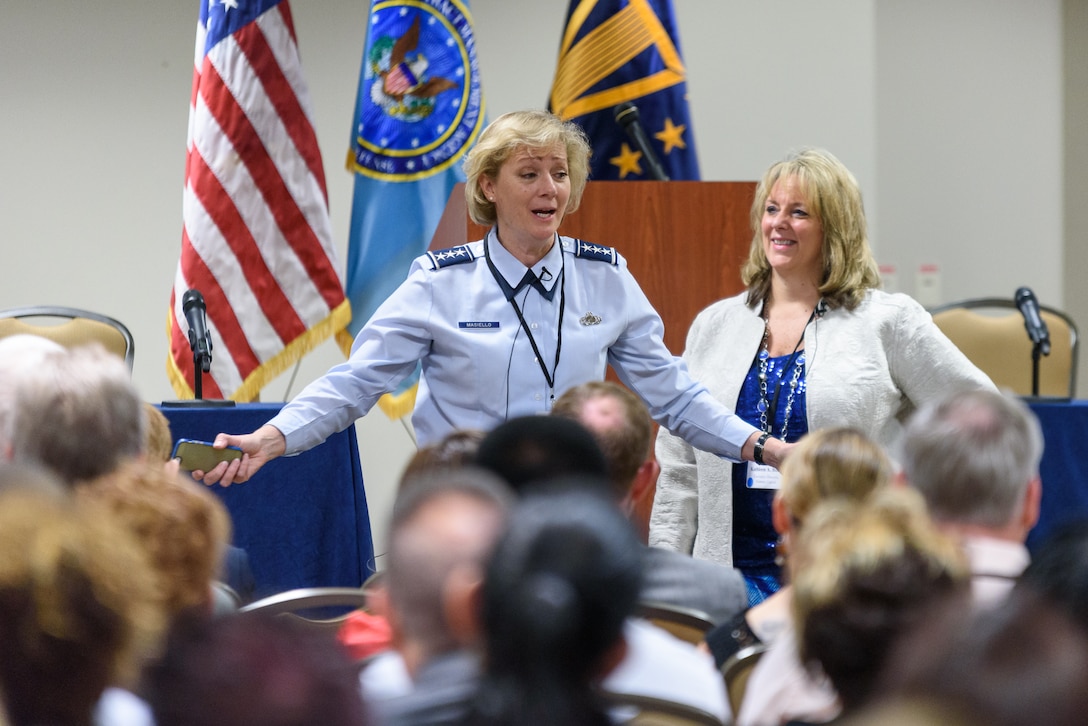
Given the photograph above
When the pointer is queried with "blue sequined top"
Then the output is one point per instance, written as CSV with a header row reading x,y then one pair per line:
x,y
754,536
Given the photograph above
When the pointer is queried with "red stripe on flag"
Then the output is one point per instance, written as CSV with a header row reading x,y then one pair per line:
x,y
285,10
281,204
224,214
255,47
220,313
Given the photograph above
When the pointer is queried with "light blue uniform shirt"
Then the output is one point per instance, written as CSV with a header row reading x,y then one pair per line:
x,y
479,368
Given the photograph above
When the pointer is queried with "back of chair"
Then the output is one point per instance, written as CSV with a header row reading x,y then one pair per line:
x,y
687,624
991,333
636,710
736,670
76,327
304,602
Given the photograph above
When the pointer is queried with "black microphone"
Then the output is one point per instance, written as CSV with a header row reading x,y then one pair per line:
x,y
1033,320
196,314
545,275
626,115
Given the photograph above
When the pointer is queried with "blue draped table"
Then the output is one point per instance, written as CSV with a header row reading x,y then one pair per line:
x,y
1064,469
302,519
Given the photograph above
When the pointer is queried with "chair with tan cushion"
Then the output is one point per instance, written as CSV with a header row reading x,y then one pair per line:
x,y
69,327
991,333
687,624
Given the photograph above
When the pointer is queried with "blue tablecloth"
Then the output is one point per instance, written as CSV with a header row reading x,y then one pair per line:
x,y
302,519
1065,466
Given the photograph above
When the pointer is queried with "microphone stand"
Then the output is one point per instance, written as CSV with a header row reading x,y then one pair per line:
x,y
202,363
1036,351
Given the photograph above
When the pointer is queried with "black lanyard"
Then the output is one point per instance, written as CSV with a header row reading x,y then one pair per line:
x,y
510,297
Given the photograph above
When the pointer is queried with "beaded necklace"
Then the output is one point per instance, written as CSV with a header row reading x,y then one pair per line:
x,y
767,408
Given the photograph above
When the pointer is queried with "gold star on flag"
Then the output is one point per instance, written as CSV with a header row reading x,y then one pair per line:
x,y
627,161
672,136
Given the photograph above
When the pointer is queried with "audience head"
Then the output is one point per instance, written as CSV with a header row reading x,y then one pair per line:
x,y
834,199
974,456
75,613
562,581
444,527
456,449
511,132
622,427
1020,663
532,449
159,443
245,670
79,414
863,574
1059,570
827,464
20,356
182,527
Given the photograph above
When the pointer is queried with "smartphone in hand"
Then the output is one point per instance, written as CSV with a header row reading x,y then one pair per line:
x,y
201,455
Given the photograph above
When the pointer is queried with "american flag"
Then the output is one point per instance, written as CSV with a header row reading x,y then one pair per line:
x,y
256,240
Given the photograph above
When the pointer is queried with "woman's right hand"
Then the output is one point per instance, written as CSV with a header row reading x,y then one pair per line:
x,y
258,448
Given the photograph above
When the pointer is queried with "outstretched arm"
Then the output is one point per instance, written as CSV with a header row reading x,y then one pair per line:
x,y
259,447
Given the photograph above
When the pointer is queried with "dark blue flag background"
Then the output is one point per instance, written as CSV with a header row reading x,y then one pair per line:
x,y
616,51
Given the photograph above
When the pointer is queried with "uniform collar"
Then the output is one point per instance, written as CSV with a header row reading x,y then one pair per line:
x,y
512,271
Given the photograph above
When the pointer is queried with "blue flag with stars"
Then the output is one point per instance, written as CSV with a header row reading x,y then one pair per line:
x,y
617,51
418,111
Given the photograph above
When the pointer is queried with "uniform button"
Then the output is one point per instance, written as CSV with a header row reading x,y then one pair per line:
x,y
538,397
534,326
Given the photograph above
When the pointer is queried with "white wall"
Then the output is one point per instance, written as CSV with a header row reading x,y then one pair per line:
x,y
948,113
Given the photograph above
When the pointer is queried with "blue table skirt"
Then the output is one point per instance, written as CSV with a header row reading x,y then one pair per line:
x,y
1064,469
302,519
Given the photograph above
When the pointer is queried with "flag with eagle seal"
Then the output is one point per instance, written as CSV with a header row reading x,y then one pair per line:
x,y
418,110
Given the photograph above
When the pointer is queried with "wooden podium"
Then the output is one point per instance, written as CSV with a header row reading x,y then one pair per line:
x,y
684,240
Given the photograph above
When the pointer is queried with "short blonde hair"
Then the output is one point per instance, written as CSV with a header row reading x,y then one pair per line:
x,y
159,443
74,588
865,572
183,528
834,198
832,463
517,130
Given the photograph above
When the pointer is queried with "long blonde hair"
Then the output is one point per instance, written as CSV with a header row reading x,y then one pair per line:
x,y
834,198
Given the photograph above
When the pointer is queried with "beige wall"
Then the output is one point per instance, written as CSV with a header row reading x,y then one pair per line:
x,y
950,114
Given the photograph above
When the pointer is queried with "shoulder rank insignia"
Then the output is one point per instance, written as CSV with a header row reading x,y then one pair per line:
x,y
590,251
450,256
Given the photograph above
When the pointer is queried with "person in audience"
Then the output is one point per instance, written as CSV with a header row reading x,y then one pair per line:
x,y
1059,570
182,528
235,571
20,356
444,527
527,450
827,465
250,669
455,449
623,429
504,325
551,452
1021,662
77,614
78,414
974,456
557,592
863,575
811,343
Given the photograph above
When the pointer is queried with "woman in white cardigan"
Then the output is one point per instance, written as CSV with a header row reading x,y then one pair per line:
x,y
812,343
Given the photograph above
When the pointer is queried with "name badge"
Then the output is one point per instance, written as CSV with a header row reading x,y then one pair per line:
x,y
478,324
762,476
